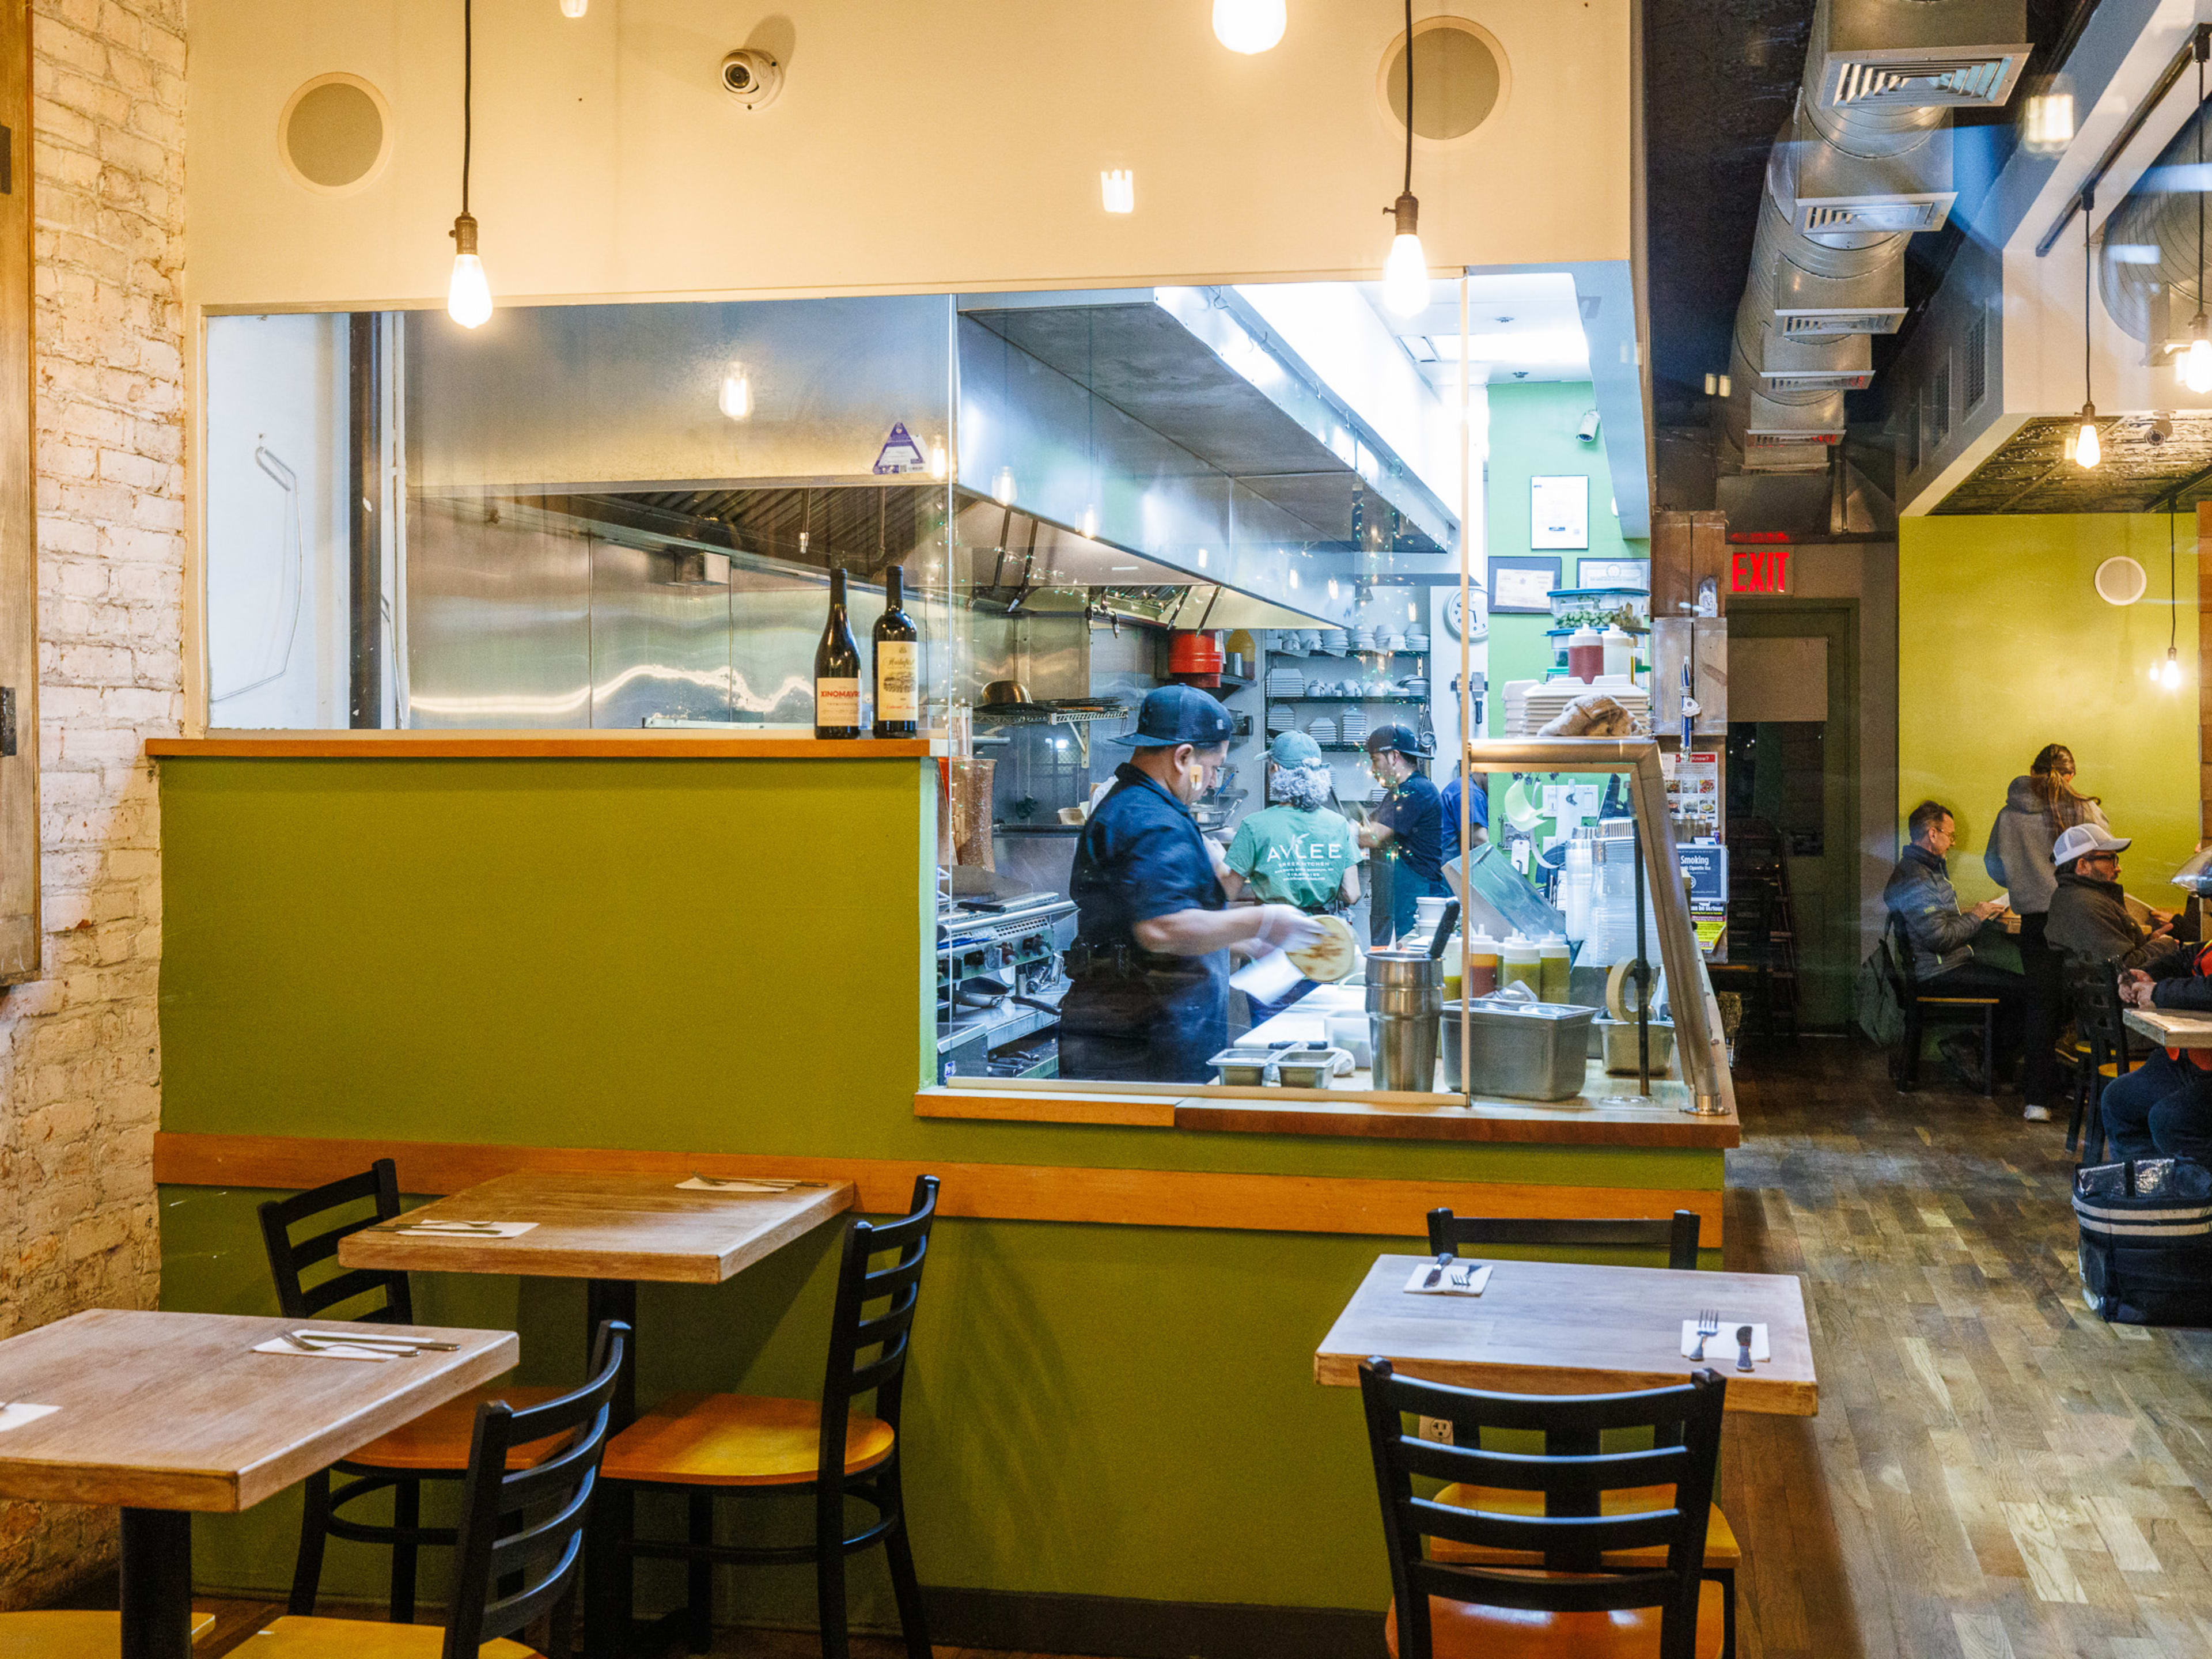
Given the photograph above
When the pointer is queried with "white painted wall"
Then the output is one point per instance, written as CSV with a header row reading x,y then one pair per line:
x,y
955,144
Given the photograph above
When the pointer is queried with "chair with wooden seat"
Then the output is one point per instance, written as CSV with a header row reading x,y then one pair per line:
x,y
432,1447
519,1540
1678,1236
68,1633
1922,1011
2102,1017
1578,1573
717,1445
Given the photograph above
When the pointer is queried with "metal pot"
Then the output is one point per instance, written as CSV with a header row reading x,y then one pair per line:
x,y
1405,1009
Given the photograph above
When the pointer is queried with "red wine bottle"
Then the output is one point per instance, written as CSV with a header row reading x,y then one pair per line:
x,y
837,670
898,663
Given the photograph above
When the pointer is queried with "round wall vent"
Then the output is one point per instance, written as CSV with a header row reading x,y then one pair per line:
x,y
335,135
1460,79
2120,580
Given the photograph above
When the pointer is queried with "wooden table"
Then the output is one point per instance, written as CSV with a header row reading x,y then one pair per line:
x,y
2172,1031
1566,1327
612,1230
163,1413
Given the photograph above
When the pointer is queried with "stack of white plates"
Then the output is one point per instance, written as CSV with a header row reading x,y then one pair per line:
x,y
1335,642
1278,718
1387,641
1353,726
1416,640
1363,638
1285,683
1322,731
1530,705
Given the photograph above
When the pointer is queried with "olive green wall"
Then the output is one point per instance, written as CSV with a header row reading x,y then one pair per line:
x,y
2003,645
1532,434
730,955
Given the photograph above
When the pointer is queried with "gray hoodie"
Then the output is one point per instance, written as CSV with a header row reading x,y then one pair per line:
x,y
2018,855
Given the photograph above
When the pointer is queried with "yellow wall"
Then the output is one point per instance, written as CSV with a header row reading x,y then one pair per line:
x,y
920,146
2002,646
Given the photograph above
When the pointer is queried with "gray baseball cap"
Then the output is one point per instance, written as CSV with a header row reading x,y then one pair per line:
x,y
1294,749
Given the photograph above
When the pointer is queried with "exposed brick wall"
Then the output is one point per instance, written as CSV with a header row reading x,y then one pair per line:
x,y
79,1052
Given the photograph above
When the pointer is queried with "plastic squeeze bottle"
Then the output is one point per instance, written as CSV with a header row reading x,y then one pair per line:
x,y
1481,977
1520,963
1552,959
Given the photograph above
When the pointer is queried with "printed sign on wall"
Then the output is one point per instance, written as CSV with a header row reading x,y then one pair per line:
x,y
1558,512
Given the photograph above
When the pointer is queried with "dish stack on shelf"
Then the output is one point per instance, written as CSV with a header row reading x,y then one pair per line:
x,y
1417,639
1285,683
1530,705
1335,642
1363,638
1322,731
1354,726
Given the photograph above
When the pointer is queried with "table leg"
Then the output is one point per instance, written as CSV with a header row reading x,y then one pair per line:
x,y
608,1606
157,1584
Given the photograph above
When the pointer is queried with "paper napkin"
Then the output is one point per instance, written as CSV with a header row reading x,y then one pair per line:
x,y
1720,1351
1447,1285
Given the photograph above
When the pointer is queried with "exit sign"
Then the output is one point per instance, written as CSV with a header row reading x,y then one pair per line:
x,y
1759,570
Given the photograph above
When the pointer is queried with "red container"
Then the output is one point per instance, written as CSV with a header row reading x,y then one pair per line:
x,y
1194,657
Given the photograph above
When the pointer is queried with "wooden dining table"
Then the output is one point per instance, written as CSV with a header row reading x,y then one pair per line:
x,y
612,1231
163,1413
2170,1029
1573,1328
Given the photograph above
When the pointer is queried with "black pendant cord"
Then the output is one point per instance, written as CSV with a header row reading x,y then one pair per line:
x,y
1409,103
2088,287
468,92
2200,181
2172,593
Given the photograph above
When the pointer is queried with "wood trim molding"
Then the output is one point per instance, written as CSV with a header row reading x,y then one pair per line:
x,y
1322,1112
22,931
531,745
1003,1192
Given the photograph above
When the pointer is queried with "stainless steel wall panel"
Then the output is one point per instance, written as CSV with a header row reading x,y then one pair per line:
x,y
498,626
657,647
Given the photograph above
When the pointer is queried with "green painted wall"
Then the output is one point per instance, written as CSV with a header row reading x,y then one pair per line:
x,y
1532,434
731,956
2003,645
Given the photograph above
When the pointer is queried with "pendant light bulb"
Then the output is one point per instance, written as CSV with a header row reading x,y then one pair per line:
x,y
2169,671
1091,524
1249,26
468,295
1002,487
2196,362
574,8
939,461
2087,450
1405,272
736,400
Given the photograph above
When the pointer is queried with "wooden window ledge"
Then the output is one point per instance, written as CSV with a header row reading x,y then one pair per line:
x,y
679,744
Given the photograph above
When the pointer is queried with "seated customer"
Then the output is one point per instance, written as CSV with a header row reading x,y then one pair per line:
x,y
2163,1108
1942,937
2089,919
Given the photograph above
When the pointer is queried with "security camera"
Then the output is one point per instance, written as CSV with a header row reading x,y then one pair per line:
x,y
752,77
2162,428
1587,430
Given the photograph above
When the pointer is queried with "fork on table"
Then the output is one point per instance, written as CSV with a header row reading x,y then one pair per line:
x,y
1709,1324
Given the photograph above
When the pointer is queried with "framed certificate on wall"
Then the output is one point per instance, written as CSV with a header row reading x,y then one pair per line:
x,y
1559,511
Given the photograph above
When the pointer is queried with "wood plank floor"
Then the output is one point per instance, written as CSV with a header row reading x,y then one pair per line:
x,y
1996,1472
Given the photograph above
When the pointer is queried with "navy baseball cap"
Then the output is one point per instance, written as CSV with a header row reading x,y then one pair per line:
x,y
1178,714
1399,738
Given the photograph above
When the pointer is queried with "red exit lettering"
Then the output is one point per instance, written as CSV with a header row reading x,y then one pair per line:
x,y
1759,570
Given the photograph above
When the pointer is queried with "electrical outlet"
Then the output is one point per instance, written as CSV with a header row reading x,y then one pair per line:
x,y
1439,1429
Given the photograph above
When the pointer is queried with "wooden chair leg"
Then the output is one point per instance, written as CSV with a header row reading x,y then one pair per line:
x,y
314,1533
406,1511
1989,1053
699,1594
1908,1061
1725,1577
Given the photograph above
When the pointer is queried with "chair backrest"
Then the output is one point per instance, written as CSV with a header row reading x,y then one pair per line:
x,y
522,1530
2099,1011
1677,1235
854,1331
1571,1536
1899,943
289,1258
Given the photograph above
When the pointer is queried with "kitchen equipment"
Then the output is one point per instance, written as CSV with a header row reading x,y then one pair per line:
x,y
1306,1068
1245,1068
1617,1045
1553,959
1520,962
1405,1009
1440,935
1349,1033
1000,693
1520,1049
1196,656
1268,978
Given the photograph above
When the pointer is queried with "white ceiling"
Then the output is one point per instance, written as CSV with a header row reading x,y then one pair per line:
x,y
1524,326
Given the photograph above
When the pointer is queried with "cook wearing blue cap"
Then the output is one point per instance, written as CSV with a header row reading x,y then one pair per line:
x,y
1406,834
1149,1001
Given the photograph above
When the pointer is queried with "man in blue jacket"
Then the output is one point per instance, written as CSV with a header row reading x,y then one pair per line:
x,y
1941,936
2163,1108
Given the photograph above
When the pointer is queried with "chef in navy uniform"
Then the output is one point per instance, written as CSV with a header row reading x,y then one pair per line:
x,y
1405,832
1148,997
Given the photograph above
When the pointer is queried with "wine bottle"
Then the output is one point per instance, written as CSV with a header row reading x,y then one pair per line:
x,y
898,663
837,670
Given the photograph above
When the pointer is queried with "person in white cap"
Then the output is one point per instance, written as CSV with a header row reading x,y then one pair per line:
x,y
2089,919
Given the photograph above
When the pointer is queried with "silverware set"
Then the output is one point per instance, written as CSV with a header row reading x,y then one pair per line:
x,y
434,1225
752,1183
1461,1273
399,1347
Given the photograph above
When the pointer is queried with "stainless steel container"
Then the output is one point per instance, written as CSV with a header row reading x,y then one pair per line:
x,y
1618,1040
1521,1050
1404,1012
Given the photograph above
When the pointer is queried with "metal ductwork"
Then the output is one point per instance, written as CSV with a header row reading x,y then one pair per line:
x,y
2147,278
1862,162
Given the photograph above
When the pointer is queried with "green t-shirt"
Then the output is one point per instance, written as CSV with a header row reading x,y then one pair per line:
x,y
1291,856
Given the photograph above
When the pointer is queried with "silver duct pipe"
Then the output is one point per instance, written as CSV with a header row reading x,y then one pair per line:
x,y
2148,276
1862,162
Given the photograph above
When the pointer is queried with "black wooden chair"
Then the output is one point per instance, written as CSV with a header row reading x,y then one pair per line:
x,y
2101,1017
712,1445
1678,1236
519,1542
1604,1560
310,1285
1921,1012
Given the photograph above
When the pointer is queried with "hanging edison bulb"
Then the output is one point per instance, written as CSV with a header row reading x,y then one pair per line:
x,y
2169,671
736,398
1405,272
2087,450
574,8
1249,26
468,292
2196,360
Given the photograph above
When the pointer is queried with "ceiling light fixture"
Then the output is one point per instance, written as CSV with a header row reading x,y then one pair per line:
x,y
468,294
939,461
1002,487
1249,26
574,8
736,400
1405,272
2087,451
1117,190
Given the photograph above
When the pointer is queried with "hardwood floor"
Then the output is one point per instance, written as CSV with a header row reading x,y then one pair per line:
x,y
1994,1473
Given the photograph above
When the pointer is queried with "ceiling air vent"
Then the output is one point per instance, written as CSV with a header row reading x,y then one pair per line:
x,y
1816,325
1831,381
1842,362
1977,357
1914,81
1888,214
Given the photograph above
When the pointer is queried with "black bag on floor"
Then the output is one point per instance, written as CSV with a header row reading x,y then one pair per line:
x,y
2147,1240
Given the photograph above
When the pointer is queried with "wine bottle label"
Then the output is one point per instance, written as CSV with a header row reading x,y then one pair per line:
x,y
898,690
837,702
